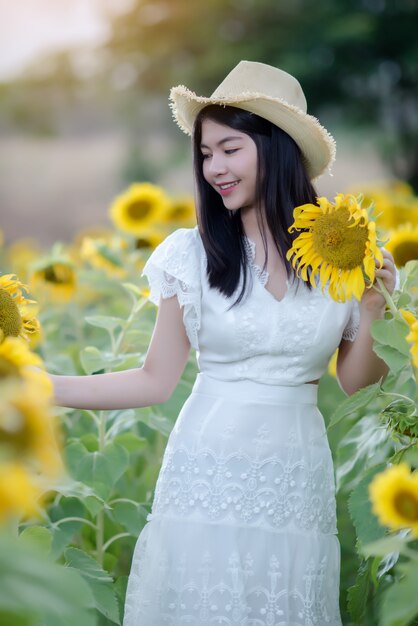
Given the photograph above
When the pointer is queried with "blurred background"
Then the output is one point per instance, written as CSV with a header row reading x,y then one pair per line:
x,y
84,94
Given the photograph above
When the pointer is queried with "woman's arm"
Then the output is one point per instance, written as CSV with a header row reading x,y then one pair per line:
x,y
150,384
357,364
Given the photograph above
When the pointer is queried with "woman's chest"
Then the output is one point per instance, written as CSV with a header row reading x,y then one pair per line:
x,y
300,321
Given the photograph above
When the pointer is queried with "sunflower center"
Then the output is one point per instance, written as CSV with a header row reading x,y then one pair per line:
x,y
7,368
10,319
406,504
178,212
336,242
405,251
59,275
139,209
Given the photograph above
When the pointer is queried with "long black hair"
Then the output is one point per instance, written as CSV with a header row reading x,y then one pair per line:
x,y
282,183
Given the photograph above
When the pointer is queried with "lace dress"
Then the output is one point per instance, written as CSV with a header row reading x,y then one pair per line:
x,y
243,524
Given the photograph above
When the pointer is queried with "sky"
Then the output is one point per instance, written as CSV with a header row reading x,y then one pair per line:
x,y
30,28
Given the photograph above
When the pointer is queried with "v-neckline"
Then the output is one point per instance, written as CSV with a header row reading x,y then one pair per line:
x,y
263,275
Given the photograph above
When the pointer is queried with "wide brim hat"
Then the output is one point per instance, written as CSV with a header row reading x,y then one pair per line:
x,y
270,93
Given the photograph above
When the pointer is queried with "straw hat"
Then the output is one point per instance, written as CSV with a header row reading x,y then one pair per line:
x,y
270,93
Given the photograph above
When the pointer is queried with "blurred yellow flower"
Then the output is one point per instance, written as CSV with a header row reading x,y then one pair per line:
x,y
103,255
54,280
16,317
394,497
19,495
182,210
21,254
332,365
412,336
338,242
403,244
395,203
150,238
17,361
27,429
142,206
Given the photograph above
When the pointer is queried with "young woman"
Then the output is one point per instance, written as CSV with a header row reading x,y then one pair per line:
x,y
243,523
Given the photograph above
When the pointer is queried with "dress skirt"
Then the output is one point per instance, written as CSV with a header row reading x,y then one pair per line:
x,y
243,524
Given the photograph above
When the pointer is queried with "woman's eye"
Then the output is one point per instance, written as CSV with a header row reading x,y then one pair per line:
x,y
231,151
205,156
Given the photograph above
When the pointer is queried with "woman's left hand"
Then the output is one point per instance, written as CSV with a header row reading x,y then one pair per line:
x,y
371,298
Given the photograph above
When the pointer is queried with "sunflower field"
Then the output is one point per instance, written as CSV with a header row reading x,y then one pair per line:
x,y
76,486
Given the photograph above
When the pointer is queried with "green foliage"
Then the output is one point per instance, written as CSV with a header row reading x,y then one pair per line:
x,y
34,589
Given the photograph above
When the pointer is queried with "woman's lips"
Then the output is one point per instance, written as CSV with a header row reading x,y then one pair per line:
x,y
228,190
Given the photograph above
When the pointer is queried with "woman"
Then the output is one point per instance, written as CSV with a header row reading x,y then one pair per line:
x,y
243,524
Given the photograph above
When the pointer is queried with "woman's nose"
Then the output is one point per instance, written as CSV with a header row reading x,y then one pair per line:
x,y
217,164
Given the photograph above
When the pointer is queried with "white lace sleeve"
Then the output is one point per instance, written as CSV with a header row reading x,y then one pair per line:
x,y
350,331
173,269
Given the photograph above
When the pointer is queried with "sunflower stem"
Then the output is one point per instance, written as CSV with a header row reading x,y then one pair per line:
x,y
389,300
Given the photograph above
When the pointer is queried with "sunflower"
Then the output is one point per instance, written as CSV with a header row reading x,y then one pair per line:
x,y
403,244
338,242
16,317
19,495
394,497
17,361
140,207
27,431
182,210
104,255
150,238
54,279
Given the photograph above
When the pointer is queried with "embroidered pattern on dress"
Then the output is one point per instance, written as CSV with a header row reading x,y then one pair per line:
x,y
274,491
234,599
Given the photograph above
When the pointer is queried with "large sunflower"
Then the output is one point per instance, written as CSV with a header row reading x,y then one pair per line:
x,y
403,244
338,245
140,207
16,317
394,497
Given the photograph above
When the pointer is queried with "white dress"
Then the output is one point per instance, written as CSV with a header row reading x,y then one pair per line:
x,y
243,524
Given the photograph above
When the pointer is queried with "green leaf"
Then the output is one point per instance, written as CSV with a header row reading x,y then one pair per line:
x,y
355,403
99,581
134,289
364,444
100,470
37,536
118,459
132,516
367,527
409,275
92,360
359,592
395,359
130,441
105,321
400,601
31,585
385,546
391,333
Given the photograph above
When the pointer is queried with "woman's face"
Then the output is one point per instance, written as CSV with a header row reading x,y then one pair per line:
x,y
230,164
